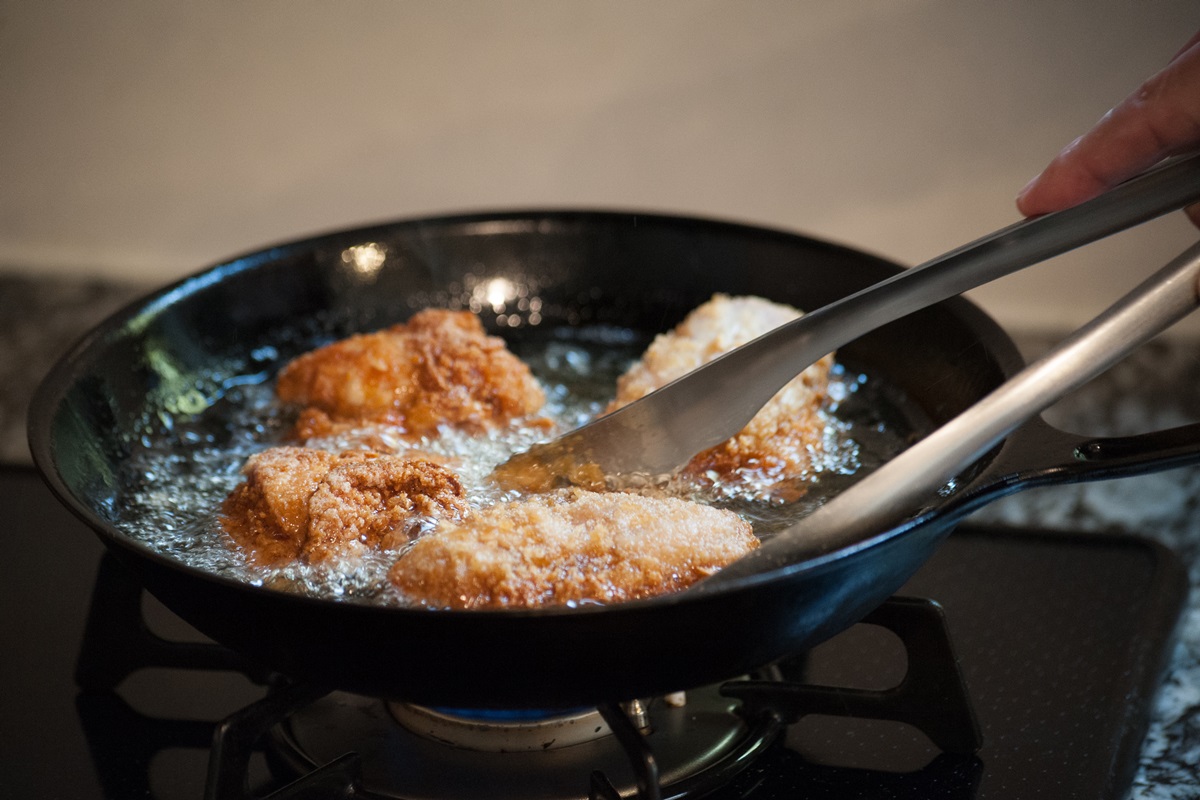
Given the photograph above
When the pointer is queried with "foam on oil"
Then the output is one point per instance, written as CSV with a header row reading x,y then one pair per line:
x,y
179,474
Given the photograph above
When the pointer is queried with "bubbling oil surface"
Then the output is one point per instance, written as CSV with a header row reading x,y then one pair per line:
x,y
178,476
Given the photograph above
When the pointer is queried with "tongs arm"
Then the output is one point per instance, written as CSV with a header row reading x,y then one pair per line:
x,y
661,431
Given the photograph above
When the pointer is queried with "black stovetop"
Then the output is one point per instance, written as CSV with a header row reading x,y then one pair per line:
x,y
1061,639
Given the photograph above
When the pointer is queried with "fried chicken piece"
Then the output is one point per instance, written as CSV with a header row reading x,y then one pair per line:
x,y
317,506
438,368
781,440
571,546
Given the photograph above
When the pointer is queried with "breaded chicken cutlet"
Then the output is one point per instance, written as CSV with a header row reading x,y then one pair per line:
x,y
438,368
780,441
318,506
569,547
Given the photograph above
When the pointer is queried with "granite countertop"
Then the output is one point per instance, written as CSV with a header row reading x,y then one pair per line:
x,y
1158,387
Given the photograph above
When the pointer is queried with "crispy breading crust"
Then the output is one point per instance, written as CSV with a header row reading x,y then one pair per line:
x,y
572,546
781,440
318,506
438,368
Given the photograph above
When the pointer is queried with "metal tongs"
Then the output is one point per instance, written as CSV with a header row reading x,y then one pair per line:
x,y
660,432
875,506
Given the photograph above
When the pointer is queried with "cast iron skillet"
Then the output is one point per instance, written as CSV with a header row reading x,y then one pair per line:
x,y
643,271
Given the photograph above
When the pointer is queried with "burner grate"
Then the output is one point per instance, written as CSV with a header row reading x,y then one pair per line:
x,y
932,696
755,710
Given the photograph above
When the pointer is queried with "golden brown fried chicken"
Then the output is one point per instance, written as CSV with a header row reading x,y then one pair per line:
x,y
438,368
573,546
782,438
315,505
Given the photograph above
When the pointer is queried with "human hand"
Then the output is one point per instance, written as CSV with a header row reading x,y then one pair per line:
x,y
1160,119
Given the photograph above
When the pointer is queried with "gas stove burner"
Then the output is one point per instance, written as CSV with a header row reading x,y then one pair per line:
x,y
412,752
504,731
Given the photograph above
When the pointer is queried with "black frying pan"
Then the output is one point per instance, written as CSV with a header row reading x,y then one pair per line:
x,y
635,270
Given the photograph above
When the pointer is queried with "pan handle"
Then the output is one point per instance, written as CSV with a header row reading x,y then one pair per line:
x,y
1038,454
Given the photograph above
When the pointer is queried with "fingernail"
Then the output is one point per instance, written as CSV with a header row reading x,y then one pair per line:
x,y
1028,188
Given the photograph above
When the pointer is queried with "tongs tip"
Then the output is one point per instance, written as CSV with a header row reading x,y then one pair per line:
x,y
548,466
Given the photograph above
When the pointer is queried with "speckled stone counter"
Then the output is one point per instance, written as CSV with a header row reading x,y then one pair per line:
x,y
1156,388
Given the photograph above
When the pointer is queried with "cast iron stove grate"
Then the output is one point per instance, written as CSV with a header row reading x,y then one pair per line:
x,y
747,717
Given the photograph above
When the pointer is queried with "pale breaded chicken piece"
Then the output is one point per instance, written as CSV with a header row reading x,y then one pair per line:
x,y
317,506
438,368
571,546
783,437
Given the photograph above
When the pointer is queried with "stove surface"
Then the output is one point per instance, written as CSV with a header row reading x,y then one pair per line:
x,y
1061,639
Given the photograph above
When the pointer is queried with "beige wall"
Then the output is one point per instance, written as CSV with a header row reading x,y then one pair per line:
x,y
148,139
